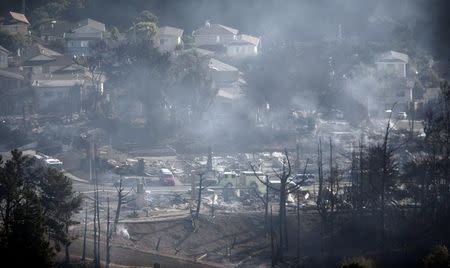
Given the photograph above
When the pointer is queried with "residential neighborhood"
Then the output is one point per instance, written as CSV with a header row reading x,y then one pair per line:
x,y
224,133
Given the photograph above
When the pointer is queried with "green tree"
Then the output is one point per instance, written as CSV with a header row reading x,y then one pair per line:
x,y
58,203
36,205
22,231
438,258
146,16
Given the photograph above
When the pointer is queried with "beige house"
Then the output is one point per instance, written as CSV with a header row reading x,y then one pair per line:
x,y
168,38
15,23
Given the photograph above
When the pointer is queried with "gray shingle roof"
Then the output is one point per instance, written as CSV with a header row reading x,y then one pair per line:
x,y
91,23
221,66
4,49
215,29
167,30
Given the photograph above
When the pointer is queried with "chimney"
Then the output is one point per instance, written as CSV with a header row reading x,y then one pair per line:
x,y
207,24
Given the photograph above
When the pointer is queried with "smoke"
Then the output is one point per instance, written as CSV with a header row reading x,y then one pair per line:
x,y
122,230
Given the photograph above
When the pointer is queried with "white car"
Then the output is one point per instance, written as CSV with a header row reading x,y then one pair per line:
x,y
402,115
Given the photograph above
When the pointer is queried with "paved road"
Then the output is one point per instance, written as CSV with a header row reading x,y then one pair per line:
x,y
89,188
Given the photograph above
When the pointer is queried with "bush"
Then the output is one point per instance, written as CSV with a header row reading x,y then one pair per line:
x,y
358,262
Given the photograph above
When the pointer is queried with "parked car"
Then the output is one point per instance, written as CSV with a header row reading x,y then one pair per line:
x,y
166,177
402,115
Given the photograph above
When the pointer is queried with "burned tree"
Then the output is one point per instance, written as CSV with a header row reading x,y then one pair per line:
x,y
121,200
285,188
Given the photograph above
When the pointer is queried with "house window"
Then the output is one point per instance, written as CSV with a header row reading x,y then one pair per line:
x,y
163,41
84,44
218,39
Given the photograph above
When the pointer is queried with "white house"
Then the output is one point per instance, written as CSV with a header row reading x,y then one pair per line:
x,y
168,38
244,46
214,34
392,63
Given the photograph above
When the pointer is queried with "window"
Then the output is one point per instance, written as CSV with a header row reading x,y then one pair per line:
x,y
162,41
218,39
401,94
390,68
84,43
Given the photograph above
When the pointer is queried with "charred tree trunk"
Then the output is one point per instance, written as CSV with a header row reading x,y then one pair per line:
x,y
83,256
199,198
66,246
96,260
120,201
108,237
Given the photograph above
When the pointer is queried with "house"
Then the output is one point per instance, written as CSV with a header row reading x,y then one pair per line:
x,y
244,46
54,30
36,59
390,91
168,38
13,89
214,34
221,73
392,63
431,94
3,57
82,37
63,91
15,23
